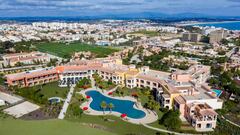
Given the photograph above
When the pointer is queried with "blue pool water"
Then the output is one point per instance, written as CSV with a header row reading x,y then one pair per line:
x,y
218,92
227,25
121,106
54,99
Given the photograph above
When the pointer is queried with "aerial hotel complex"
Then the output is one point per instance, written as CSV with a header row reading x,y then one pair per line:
x,y
182,90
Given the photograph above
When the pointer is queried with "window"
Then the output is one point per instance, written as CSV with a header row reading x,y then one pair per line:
x,y
167,101
209,125
198,125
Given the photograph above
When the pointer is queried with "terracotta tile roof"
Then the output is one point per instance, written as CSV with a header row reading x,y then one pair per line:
x,y
36,73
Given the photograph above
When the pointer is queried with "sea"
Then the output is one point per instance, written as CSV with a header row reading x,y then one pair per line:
x,y
227,25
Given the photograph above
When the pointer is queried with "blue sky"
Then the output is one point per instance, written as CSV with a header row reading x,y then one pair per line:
x,y
98,7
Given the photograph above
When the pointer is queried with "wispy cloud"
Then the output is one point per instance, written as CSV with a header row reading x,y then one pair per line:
x,y
86,7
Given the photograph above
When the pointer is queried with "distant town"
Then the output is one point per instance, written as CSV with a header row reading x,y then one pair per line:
x,y
143,76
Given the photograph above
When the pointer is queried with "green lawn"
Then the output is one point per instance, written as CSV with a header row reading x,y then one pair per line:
x,y
40,94
49,90
46,127
66,50
52,90
115,125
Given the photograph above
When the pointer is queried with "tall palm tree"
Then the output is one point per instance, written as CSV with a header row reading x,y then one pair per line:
x,y
111,106
103,105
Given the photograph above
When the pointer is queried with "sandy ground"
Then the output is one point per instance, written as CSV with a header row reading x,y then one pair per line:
x,y
21,109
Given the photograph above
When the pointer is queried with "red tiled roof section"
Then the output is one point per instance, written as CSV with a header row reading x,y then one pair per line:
x,y
41,73
19,76
61,69
207,112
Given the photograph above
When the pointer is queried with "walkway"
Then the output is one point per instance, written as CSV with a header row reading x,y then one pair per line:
x,y
109,91
66,103
165,131
231,122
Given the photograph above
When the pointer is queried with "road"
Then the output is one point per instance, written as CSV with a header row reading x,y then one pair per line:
x,y
66,103
22,67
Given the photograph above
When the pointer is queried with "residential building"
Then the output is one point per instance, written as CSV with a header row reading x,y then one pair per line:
x,y
25,58
185,91
217,36
32,78
191,37
201,116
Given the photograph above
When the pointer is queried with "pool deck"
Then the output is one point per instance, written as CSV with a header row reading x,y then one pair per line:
x,y
150,116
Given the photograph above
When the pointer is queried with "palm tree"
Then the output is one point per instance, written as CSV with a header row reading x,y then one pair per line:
x,y
103,105
111,106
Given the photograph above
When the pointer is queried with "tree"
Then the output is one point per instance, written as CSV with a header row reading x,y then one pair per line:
x,y
76,110
171,120
84,83
109,82
111,106
224,41
103,105
153,105
19,64
52,62
205,39
7,45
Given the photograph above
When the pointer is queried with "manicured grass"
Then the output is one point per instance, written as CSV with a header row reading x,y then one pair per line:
x,y
110,122
66,50
52,90
116,125
231,111
46,127
40,94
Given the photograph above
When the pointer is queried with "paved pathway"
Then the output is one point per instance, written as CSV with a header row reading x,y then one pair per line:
x,y
231,122
163,130
112,90
66,103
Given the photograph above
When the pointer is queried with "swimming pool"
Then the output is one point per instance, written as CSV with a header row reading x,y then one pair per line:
x,y
218,92
120,106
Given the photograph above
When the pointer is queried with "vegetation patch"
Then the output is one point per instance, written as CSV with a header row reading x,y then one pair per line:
x,y
102,84
66,50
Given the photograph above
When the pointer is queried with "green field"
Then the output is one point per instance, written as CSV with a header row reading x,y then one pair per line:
x,y
115,125
48,90
66,50
52,90
46,127
40,94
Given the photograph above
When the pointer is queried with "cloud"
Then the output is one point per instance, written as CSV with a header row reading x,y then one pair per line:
x,y
122,3
234,0
81,7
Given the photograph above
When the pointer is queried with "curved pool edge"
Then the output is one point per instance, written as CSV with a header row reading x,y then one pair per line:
x,y
149,117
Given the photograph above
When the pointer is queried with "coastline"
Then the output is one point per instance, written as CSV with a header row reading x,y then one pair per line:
x,y
200,23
